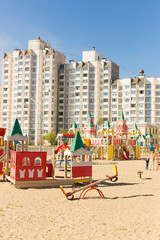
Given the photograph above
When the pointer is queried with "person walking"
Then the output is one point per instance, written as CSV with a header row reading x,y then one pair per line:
x,y
157,161
147,163
151,162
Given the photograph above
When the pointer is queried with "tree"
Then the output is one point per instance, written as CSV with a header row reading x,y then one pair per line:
x,y
101,120
51,138
63,131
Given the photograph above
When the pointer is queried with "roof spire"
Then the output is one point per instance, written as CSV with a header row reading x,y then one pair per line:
x,y
16,129
89,115
135,127
77,143
74,126
107,124
122,115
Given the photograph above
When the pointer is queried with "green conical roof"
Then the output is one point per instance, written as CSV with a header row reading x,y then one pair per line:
x,y
90,124
16,129
135,127
74,126
77,143
107,124
148,136
89,115
122,115
140,136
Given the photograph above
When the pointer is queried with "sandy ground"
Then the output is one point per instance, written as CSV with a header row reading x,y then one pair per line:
x,y
131,209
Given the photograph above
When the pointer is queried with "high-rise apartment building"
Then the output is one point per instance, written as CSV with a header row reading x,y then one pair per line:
x,y
29,88
85,87
138,97
46,94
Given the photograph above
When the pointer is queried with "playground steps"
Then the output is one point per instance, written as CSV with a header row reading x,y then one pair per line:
x,y
41,183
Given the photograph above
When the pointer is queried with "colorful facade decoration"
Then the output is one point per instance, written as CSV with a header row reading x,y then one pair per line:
x,y
122,128
89,127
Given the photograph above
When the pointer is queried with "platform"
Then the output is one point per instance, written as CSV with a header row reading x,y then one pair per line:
x,y
49,182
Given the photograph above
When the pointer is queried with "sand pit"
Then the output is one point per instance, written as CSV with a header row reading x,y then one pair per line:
x,y
131,209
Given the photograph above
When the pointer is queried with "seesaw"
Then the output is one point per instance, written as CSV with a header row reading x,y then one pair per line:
x,y
87,188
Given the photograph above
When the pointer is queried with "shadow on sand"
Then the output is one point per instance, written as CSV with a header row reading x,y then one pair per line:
x,y
114,198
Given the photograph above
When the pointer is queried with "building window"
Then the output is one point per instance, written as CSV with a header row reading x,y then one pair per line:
x,y
148,119
148,92
148,86
37,161
148,112
85,69
148,106
26,161
114,87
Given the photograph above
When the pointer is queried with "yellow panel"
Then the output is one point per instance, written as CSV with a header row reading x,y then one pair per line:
x,y
81,180
115,169
110,152
138,151
99,152
87,142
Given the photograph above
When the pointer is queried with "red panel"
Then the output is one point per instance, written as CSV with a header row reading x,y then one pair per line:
x,y
2,131
131,142
82,171
30,172
1,166
1,152
49,168
67,135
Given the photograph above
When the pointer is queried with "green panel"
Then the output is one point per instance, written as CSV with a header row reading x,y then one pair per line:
x,y
77,143
16,129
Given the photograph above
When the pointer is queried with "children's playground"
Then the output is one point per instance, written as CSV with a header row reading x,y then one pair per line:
x,y
72,162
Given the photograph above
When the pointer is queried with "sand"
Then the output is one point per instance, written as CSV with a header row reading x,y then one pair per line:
x,y
131,209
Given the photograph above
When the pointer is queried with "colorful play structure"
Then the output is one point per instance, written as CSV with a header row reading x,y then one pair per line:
x,y
69,164
31,169
119,144
77,161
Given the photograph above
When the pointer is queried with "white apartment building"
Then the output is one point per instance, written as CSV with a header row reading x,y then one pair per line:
x,y
45,94
29,89
138,97
85,87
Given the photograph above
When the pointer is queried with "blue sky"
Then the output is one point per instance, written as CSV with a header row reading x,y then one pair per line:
x,y
126,32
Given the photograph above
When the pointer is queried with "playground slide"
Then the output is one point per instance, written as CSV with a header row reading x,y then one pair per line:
x,y
61,147
125,155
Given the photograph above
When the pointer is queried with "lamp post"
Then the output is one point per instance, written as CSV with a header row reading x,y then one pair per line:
x,y
40,144
41,119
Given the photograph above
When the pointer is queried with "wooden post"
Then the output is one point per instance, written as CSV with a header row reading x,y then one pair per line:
x,y
101,152
71,165
17,149
53,164
26,147
65,166
83,158
5,147
7,158
22,146
71,159
5,151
